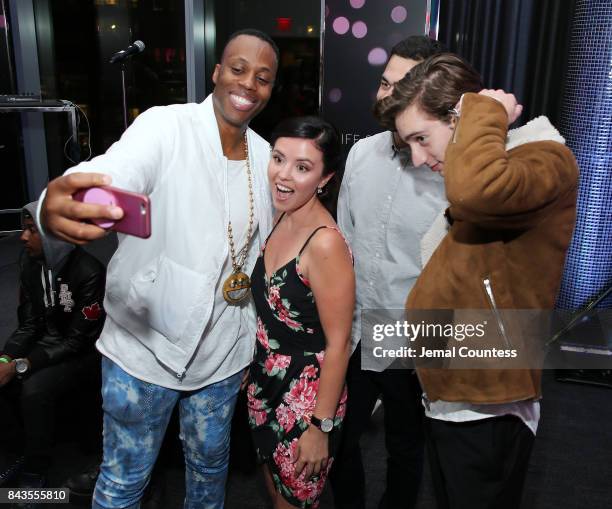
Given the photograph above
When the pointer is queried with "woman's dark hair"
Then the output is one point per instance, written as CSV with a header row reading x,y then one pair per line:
x,y
324,135
435,86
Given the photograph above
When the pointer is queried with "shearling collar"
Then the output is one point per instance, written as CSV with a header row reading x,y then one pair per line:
x,y
538,129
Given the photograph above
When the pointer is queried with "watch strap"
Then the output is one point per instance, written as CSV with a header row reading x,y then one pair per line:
x,y
315,421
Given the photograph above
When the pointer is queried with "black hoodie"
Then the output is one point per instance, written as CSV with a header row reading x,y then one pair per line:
x,y
60,311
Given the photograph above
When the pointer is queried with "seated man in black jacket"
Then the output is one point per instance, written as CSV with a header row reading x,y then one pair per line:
x,y
60,317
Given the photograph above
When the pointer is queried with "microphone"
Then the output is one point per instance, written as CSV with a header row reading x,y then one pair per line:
x,y
124,54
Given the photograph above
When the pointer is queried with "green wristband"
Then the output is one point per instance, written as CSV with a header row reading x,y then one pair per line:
x,y
5,360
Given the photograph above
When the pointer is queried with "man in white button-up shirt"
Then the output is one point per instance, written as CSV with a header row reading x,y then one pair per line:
x,y
385,207
170,336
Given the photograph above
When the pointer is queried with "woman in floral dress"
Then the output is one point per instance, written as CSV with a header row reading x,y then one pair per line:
x,y
304,290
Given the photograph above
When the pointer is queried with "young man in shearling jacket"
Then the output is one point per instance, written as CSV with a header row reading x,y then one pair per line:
x,y
511,215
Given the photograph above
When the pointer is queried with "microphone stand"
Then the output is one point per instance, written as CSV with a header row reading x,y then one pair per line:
x,y
125,122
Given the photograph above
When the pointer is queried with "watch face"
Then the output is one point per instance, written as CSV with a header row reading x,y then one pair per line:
x,y
21,366
327,425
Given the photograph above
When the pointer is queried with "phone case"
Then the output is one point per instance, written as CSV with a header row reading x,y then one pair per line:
x,y
136,209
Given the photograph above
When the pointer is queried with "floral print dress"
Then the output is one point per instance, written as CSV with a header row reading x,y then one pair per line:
x,y
284,377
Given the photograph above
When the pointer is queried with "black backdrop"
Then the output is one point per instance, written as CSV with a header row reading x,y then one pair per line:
x,y
520,46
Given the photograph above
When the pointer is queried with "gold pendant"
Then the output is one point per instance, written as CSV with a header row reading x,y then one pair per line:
x,y
236,287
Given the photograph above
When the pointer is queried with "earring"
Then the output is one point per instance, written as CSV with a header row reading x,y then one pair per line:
x,y
319,191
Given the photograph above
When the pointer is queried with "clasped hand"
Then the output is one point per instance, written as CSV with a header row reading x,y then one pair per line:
x,y
311,454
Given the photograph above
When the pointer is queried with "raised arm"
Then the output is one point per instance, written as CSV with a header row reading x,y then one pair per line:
x,y
133,163
496,188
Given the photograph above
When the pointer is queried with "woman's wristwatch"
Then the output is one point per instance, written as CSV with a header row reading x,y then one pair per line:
x,y
325,425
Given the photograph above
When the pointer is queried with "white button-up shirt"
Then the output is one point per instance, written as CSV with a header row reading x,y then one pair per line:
x,y
385,208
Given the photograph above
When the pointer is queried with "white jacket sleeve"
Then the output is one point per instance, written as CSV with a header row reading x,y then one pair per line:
x,y
137,160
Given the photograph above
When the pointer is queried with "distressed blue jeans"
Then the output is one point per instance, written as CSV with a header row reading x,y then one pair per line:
x,y
136,415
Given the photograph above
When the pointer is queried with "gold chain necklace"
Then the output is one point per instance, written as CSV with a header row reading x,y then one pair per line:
x,y
236,286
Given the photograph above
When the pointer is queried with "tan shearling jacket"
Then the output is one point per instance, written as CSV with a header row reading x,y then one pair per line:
x,y
512,209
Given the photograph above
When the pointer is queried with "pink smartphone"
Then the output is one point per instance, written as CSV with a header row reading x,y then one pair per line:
x,y
136,207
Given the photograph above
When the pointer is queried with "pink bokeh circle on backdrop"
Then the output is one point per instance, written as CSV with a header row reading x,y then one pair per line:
x,y
335,94
360,29
341,25
399,14
377,56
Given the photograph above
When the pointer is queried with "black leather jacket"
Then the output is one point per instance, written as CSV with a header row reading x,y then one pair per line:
x,y
60,312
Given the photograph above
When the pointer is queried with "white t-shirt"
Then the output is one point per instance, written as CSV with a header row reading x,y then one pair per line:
x,y
526,411
228,324
226,316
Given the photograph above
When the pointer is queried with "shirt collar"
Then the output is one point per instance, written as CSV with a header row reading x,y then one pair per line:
x,y
393,150
403,153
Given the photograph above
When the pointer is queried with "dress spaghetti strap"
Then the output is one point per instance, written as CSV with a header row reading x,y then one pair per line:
x,y
310,237
319,228
272,231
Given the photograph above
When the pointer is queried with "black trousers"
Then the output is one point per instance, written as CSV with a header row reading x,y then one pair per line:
x,y
404,440
479,464
30,407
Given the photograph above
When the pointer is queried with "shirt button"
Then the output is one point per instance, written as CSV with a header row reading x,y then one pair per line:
x,y
389,197
383,226
377,255
371,283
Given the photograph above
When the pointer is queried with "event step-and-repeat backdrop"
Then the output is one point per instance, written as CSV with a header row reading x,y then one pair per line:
x,y
358,36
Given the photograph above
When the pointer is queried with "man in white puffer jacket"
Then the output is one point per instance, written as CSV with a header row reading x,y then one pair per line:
x,y
170,335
